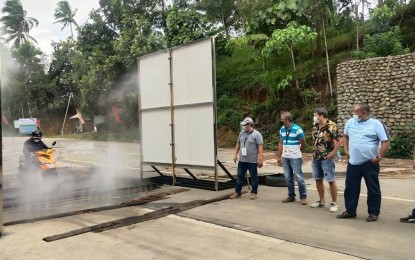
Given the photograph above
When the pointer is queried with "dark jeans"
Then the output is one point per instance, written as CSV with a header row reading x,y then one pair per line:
x,y
253,172
354,174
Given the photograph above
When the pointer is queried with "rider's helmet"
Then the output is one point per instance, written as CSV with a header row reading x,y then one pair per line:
x,y
37,134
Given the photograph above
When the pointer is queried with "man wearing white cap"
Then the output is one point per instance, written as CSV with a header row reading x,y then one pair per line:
x,y
249,147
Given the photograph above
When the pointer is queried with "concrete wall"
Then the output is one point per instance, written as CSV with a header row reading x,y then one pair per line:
x,y
387,84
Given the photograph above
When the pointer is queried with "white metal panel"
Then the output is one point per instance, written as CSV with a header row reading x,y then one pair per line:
x,y
156,136
192,73
194,136
154,79
194,125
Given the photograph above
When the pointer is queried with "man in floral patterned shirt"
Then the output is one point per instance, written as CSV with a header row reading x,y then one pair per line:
x,y
325,145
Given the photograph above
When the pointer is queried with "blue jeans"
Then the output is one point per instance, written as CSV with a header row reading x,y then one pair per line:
x,y
323,169
354,174
294,166
253,171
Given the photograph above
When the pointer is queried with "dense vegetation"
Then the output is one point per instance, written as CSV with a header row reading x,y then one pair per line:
x,y
272,55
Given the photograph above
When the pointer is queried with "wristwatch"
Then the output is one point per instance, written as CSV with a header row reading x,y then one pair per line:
x,y
378,157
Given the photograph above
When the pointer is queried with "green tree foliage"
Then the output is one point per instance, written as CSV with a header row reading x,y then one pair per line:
x,y
289,38
380,18
401,145
29,87
262,47
383,44
137,37
108,51
16,23
96,69
224,12
62,68
115,12
186,25
405,20
260,16
64,14
291,9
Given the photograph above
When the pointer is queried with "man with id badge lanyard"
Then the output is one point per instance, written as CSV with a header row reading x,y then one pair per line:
x,y
289,156
249,147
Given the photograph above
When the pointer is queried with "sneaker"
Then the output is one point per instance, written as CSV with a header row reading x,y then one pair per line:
x,y
371,218
334,207
288,199
408,219
304,201
253,196
346,215
318,204
235,195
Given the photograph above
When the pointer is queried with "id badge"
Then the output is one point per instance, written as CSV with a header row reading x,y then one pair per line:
x,y
244,152
286,150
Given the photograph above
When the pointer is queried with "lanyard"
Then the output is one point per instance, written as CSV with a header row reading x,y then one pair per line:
x,y
287,134
247,137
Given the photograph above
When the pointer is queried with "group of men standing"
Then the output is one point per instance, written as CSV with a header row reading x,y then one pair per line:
x,y
365,141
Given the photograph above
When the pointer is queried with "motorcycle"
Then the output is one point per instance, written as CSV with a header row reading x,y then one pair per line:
x,y
36,168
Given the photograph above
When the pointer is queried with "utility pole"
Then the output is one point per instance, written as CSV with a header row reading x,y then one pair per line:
x,y
1,151
69,100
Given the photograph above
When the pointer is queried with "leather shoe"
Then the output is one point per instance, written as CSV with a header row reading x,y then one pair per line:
x,y
288,199
345,215
371,218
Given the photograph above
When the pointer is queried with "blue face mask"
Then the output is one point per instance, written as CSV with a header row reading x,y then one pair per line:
x,y
356,117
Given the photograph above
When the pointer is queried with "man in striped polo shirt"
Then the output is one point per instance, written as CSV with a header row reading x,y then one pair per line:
x,y
289,155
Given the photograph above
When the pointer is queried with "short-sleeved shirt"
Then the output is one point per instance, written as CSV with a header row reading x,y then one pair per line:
x,y
291,146
364,139
323,139
250,141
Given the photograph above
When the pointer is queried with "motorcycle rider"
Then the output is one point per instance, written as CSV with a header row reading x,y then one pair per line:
x,y
33,144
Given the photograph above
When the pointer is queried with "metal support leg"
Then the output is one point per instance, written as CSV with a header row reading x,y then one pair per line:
x,y
191,175
157,170
226,171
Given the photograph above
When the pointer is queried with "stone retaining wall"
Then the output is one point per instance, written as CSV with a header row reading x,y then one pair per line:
x,y
387,84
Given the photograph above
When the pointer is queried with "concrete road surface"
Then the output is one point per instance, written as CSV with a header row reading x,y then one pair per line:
x,y
230,229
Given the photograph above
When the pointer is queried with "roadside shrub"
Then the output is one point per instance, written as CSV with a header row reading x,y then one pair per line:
x,y
383,44
401,145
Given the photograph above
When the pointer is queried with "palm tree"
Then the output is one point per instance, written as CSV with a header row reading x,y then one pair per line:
x,y
16,23
65,14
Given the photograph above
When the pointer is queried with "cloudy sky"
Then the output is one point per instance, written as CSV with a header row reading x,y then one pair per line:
x,y
43,10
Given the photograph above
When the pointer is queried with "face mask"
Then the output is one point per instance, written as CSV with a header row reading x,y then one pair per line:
x,y
245,128
356,117
36,140
315,120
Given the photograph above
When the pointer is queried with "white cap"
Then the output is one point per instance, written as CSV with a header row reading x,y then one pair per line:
x,y
247,120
